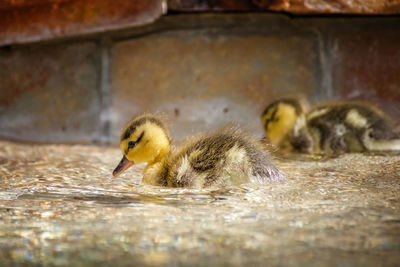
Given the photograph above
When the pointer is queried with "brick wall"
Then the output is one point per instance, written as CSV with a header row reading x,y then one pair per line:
x,y
201,70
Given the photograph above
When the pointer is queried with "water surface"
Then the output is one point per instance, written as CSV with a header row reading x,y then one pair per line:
x,y
60,206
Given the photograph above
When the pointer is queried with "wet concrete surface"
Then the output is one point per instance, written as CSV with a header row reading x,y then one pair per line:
x,y
59,206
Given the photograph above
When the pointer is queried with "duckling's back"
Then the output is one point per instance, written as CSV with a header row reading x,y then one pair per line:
x,y
352,126
224,158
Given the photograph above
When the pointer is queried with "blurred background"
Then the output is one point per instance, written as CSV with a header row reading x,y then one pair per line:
x,y
76,71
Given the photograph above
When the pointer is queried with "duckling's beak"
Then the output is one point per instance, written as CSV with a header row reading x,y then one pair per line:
x,y
122,166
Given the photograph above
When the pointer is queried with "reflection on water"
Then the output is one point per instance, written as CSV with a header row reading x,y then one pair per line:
x,y
60,206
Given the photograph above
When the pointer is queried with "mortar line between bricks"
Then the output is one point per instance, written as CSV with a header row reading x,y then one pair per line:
x,y
325,92
105,128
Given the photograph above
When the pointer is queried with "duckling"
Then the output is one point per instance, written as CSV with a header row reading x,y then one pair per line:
x,y
227,157
331,128
284,123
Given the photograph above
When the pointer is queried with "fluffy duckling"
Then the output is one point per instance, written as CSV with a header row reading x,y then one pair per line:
x,y
330,128
224,158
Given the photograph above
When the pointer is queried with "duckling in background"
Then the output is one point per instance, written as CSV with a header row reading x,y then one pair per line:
x,y
224,158
284,123
330,128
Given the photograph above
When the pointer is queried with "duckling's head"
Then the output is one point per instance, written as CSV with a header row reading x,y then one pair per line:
x,y
280,117
144,139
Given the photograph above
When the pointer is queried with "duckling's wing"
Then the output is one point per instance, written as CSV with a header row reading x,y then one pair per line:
x,y
225,157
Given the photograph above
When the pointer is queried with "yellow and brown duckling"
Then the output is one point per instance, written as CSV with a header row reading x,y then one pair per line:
x,y
224,158
330,128
284,125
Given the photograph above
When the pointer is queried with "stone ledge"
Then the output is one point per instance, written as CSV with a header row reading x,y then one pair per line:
x,y
27,21
321,7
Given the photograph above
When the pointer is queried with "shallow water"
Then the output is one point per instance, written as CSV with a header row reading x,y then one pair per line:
x,y
60,206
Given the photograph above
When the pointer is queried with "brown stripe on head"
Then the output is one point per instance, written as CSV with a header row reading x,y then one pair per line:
x,y
140,120
290,101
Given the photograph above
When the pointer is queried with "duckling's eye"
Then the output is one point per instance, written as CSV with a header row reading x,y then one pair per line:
x,y
131,144
272,119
